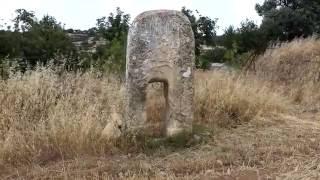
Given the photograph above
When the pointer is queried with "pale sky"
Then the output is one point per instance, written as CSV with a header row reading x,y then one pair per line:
x,y
82,14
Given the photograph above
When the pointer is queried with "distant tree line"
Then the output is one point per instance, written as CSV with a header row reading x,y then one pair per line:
x,y
31,41
283,20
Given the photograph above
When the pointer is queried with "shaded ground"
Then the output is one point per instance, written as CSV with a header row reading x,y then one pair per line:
x,y
282,147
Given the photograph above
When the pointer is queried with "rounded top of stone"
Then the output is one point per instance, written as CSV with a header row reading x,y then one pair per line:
x,y
160,12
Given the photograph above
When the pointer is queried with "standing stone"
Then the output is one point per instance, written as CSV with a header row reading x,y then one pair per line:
x,y
160,49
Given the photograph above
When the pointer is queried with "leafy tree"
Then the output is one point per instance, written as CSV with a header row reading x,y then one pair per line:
x,y
10,44
114,26
194,25
243,44
229,37
45,40
24,20
250,38
288,19
92,31
204,30
114,29
217,54
34,41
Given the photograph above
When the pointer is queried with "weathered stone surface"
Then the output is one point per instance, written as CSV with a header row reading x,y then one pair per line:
x,y
113,128
160,49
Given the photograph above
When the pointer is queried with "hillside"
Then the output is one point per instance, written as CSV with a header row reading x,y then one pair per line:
x,y
85,42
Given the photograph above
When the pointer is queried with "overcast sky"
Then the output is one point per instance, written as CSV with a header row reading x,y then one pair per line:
x,y
82,14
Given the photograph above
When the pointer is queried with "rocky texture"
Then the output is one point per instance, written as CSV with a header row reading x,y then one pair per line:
x,y
85,42
160,49
113,128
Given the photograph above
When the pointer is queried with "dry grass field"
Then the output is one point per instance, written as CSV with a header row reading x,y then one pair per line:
x,y
256,125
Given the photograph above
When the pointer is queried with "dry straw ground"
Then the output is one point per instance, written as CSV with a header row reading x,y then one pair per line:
x,y
257,125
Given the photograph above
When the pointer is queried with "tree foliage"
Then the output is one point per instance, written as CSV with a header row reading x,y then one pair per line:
x,y
45,40
204,30
288,19
114,29
283,20
34,41
246,40
251,38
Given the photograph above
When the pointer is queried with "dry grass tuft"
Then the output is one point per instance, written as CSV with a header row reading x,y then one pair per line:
x,y
229,99
222,99
295,66
46,117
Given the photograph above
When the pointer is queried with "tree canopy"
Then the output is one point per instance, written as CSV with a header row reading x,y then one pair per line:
x,y
288,19
34,41
204,30
114,29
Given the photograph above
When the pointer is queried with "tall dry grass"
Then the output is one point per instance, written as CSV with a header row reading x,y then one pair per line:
x,y
227,99
296,67
45,116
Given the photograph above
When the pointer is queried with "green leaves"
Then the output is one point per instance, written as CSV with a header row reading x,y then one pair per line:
x,y
35,41
204,30
111,57
289,19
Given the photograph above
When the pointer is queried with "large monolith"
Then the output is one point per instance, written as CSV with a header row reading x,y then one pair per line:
x,y
160,49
